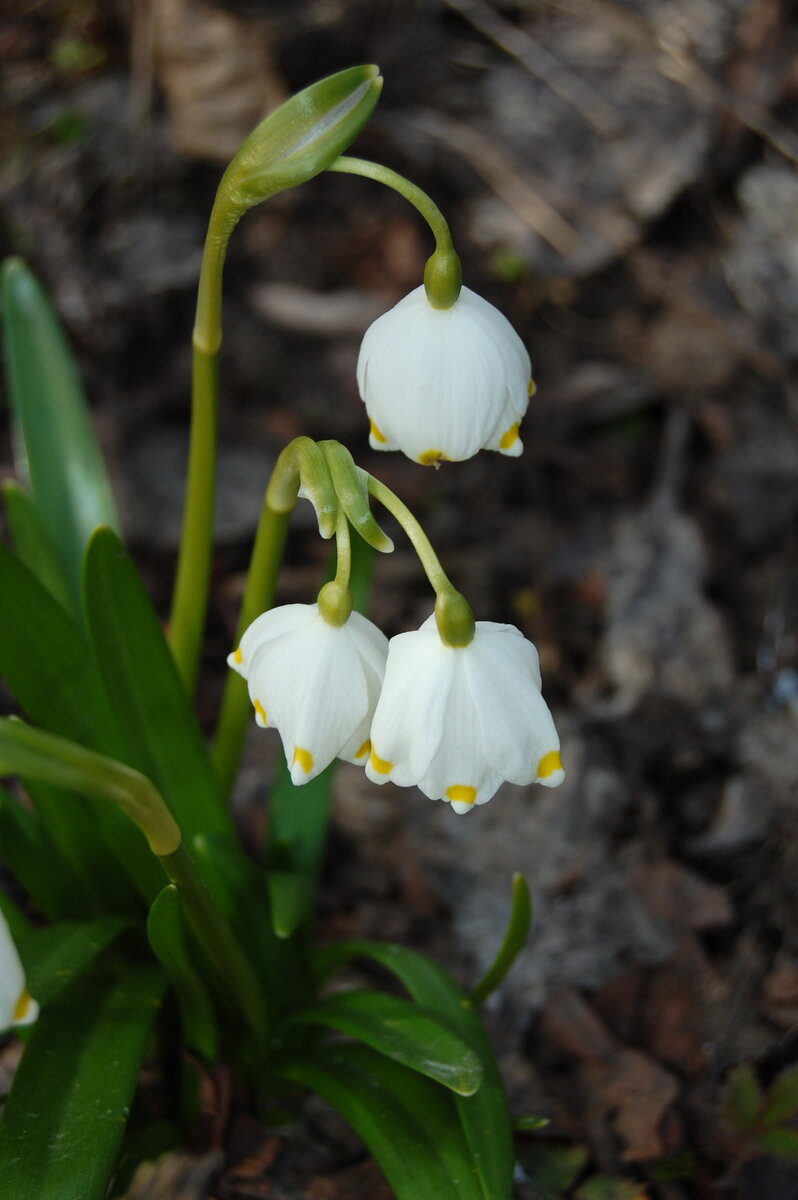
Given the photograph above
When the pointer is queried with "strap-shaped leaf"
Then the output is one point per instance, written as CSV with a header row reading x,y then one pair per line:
x,y
169,939
47,662
63,459
484,1117
34,545
145,692
74,826
289,901
30,855
66,1113
408,1122
403,1032
54,956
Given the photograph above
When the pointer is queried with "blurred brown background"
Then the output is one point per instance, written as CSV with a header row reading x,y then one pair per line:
x,y
620,179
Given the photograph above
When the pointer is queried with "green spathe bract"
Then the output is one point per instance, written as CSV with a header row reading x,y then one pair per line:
x,y
304,135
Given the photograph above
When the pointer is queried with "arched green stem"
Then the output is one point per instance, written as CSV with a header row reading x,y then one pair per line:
x,y
453,613
443,275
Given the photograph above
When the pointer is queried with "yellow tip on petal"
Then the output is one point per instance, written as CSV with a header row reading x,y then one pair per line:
x,y
532,388
260,710
376,433
304,758
506,440
461,793
238,657
22,1007
549,764
364,749
379,764
433,458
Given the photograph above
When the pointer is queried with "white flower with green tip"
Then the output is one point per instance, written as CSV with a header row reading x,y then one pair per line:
x,y
441,384
459,721
17,1006
315,682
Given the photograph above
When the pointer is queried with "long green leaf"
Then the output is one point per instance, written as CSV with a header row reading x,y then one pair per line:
x,y
169,939
47,662
72,827
66,1113
145,692
63,459
400,1031
408,1122
33,544
29,855
54,956
484,1117
289,901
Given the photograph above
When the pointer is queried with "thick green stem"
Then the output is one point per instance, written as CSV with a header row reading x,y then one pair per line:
x,y
190,599
214,934
259,593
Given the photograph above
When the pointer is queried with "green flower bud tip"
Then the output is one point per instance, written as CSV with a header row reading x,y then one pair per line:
x,y
305,135
454,619
335,603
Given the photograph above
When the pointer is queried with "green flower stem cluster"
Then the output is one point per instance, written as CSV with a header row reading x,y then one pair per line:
x,y
325,473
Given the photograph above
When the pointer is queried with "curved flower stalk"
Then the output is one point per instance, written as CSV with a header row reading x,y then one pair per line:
x,y
441,384
17,1006
459,720
316,682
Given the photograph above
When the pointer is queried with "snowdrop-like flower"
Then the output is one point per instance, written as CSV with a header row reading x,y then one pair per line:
x,y
440,384
458,721
315,682
17,1007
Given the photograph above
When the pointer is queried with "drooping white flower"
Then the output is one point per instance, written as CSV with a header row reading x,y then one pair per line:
x,y
458,721
440,384
314,682
17,1006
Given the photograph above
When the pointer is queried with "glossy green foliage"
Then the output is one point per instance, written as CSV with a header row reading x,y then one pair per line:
x,y
55,956
158,728
401,1031
65,1116
56,445
408,1122
484,1117
171,944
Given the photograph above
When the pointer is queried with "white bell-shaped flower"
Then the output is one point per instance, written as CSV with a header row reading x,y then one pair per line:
x,y
458,721
440,384
316,683
17,1007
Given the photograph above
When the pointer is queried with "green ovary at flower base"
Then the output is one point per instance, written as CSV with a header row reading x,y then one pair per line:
x,y
17,1007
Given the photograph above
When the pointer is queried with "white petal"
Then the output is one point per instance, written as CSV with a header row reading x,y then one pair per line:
x,y
273,623
444,382
317,684
518,732
408,722
459,771
16,1006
